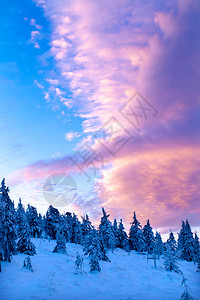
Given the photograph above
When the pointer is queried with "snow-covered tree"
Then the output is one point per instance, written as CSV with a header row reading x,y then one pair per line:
x,y
94,262
148,237
78,265
24,244
196,246
135,235
67,226
112,240
171,241
105,228
27,263
20,212
94,240
52,222
186,242
115,231
60,243
34,221
92,248
198,262
186,295
170,260
122,237
158,245
7,224
76,236
104,250
86,226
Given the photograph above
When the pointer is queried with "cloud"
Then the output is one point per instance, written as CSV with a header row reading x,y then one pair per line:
x,y
71,135
35,35
33,23
105,51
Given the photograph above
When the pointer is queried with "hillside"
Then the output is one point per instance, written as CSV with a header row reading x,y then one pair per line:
x,y
127,277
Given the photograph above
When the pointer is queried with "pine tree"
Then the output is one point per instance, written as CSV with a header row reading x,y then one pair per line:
x,y
20,212
94,240
158,246
186,295
52,222
34,221
148,237
186,242
76,236
181,237
8,225
135,235
94,262
115,231
60,243
198,262
92,248
170,260
67,227
196,245
104,250
85,226
122,236
24,244
112,241
171,241
105,229
27,263
78,265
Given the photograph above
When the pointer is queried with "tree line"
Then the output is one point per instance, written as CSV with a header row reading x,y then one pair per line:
x,y
18,226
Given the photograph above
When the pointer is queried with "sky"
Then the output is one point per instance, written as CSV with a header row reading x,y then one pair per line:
x,y
102,97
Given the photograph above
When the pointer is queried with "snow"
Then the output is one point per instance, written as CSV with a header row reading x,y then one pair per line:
x,y
127,277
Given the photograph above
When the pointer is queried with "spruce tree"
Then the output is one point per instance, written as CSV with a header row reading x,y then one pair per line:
x,y
198,262
94,240
196,244
158,245
85,226
20,212
181,237
148,237
76,236
34,221
8,224
112,241
171,241
78,265
52,221
68,226
27,263
24,244
186,295
135,235
105,229
104,250
186,242
92,248
94,262
122,236
115,231
60,243
170,260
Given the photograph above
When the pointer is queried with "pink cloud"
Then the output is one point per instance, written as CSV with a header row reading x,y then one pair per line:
x,y
105,51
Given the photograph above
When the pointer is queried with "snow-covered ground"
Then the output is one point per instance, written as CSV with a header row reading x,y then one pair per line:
x,y
127,276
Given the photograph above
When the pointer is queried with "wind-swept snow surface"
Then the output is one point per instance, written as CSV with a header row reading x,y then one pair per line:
x,y
127,277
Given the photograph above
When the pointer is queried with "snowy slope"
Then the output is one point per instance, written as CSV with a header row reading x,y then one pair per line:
x,y
127,276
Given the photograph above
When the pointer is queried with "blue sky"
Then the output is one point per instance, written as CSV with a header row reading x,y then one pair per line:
x,y
30,125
